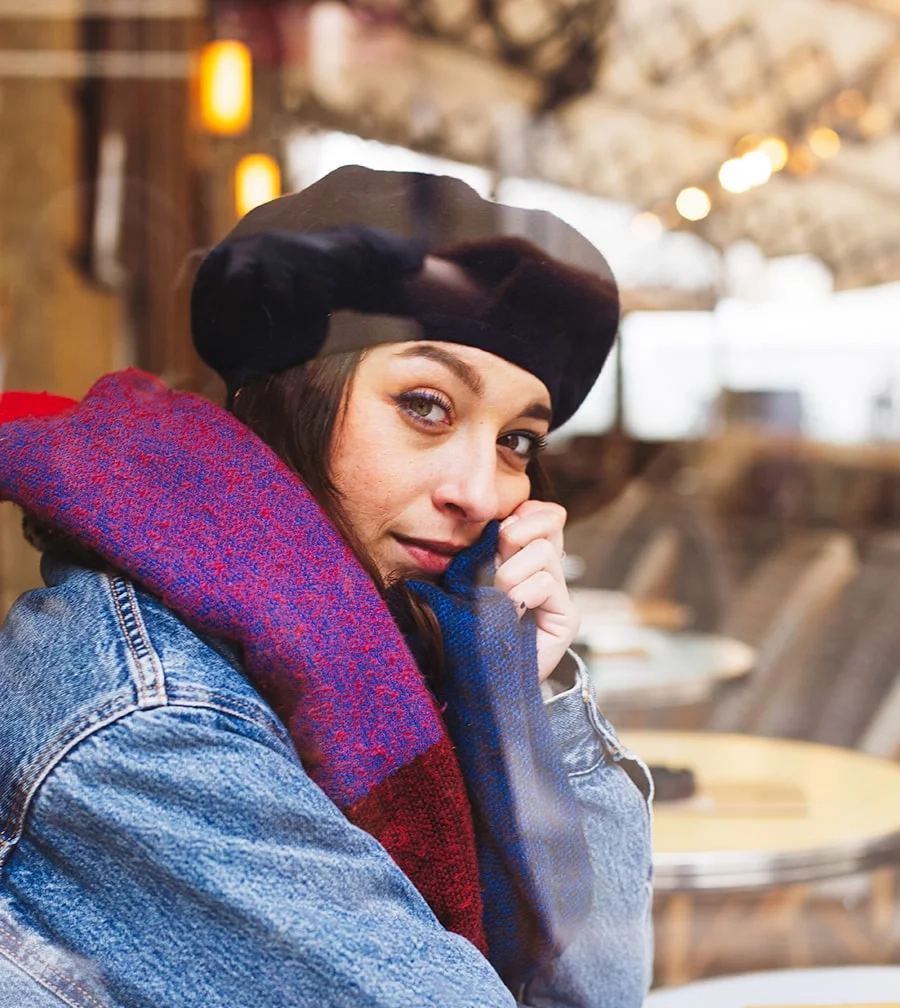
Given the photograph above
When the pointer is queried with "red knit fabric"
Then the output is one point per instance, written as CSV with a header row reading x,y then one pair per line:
x,y
392,812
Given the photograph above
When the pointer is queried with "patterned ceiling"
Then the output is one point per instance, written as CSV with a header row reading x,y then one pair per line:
x,y
664,94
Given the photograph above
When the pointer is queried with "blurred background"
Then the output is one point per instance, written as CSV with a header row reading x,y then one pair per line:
x,y
733,481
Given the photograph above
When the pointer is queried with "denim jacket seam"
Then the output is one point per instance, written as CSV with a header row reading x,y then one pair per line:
x,y
613,749
601,762
45,762
146,660
88,1001
205,700
114,710
126,600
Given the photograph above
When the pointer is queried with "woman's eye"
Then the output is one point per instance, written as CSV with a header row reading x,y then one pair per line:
x,y
525,446
425,407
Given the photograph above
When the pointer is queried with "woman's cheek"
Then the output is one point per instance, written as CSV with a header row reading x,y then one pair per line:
x,y
514,495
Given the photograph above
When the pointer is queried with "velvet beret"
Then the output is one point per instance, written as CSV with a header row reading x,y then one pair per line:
x,y
339,266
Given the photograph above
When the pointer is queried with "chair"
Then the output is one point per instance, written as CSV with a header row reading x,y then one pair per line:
x,y
834,696
882,734
779,611
654,570
868,673
654,540
594,539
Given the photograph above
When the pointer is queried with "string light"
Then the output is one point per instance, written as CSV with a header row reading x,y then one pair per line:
x,y
737,175
693,203
776,150
824,142
801,160
875,121
732,176
746,144
646,227
851,103
757,169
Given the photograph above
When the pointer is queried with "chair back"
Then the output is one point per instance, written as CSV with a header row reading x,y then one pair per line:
x,y
882,734
655,542
653,573
784,605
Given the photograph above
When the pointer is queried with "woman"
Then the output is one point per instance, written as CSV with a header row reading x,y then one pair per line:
x,y
225,779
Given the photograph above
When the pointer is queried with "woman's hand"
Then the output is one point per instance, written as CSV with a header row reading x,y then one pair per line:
x,y
529,570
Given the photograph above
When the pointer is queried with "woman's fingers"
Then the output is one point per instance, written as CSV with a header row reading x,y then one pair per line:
x,y
533,580
531,521
529,570
538,555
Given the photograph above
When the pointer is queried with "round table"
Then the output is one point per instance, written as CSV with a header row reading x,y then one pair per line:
x,y
632,665
842,985
619,608
753,868
769,811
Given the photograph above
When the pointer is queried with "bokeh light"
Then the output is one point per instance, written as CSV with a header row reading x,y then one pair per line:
x,y
824,142
776,150
851,103
226,87
257,179
733,177
875,121
756,167
693,203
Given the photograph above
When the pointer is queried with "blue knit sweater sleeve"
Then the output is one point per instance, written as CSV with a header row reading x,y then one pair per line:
x,y
610,962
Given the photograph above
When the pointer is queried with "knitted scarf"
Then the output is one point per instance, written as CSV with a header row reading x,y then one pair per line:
x,y
470,800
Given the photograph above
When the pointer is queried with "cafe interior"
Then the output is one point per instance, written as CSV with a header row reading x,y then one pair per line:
x,y
732,481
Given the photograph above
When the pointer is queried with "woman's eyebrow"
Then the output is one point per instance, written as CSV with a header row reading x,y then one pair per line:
x,y
538,411
469,376
463,371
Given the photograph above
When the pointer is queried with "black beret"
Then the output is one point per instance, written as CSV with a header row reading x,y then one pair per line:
x,y
338,267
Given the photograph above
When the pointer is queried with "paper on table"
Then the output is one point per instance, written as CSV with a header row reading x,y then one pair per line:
x,y
761,797
622,652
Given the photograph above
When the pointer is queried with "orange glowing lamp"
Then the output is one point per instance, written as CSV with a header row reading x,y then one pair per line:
x,y
257,179
226,87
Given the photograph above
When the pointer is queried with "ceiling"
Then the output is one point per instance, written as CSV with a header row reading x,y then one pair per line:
x,y
674,88
684,82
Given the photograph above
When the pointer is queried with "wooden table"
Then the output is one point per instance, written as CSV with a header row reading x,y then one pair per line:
x,y
786,857
640,666
848,986
618,608
770,811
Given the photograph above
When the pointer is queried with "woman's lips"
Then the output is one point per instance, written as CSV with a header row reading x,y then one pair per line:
x,y
431,558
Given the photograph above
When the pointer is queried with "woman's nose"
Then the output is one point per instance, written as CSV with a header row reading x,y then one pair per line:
x,y
467,483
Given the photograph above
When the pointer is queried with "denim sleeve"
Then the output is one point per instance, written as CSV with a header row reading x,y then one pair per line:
x,y
609,965
186,852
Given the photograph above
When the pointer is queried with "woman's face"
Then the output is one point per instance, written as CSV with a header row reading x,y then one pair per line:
x,y
433,444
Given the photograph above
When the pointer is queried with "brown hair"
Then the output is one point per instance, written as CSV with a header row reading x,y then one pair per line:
x,y
295,413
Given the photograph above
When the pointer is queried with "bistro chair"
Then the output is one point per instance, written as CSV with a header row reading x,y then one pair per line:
x,y
780,611
882,734
835,693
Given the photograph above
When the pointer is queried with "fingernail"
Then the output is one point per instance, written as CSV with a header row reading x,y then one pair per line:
x,y
497,560
508,521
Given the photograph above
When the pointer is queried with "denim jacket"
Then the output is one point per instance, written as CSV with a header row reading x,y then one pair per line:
x,y
162,846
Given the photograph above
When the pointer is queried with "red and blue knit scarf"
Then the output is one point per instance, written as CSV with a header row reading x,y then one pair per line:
x,y
471,801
